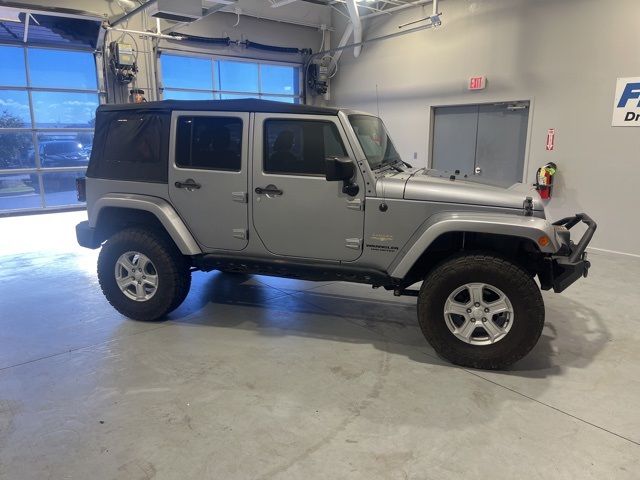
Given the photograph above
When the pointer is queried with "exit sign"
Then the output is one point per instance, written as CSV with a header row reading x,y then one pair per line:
x,y
477,83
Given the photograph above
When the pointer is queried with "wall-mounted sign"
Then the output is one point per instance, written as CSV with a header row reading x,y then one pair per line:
x,y
626,105
551,139
477,83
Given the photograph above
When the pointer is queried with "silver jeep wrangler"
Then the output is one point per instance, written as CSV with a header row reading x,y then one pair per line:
x,y
318,194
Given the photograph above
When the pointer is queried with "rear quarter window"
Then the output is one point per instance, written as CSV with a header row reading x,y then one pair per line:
x,y
132,139
131,146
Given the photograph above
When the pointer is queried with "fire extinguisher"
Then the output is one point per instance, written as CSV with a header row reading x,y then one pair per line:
x,y
544,180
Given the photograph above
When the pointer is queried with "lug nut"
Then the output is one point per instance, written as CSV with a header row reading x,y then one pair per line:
x,y
484,319
473,320
468,310
477,304
486,310
139,282
143,277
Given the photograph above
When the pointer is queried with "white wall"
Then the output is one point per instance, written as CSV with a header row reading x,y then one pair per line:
x,y
563,55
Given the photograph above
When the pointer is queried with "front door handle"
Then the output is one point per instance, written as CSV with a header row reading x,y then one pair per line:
x,y
268,190
190,184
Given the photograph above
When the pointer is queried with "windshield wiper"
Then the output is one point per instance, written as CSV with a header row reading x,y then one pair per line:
x,y
397,160
393,163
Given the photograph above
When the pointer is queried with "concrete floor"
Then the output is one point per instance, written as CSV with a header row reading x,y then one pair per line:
x,y
256,377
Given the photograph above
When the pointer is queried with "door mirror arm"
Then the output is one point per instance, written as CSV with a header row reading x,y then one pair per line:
x,y
350,188
341,169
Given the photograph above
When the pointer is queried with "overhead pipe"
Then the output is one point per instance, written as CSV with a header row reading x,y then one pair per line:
x,y
371,40
343,41
435,16
354,15
133,12
356,22
142,33
391,10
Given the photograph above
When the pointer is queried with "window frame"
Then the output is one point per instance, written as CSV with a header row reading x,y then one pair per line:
x,y
245,159
265,143
217,91
25,45
207,169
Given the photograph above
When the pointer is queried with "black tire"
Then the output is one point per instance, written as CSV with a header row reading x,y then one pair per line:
x,y
513,281
172,268
183,291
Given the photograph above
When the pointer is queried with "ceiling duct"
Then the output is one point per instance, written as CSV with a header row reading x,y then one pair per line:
x,y
354,15
177,10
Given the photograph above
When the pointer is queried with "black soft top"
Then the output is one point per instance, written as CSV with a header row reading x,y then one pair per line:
x,y
131,141
241,105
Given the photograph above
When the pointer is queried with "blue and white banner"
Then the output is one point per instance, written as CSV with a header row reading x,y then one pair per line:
x,y
626,106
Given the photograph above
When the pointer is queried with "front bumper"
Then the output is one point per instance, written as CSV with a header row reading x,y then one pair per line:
x,y
86,236
570,263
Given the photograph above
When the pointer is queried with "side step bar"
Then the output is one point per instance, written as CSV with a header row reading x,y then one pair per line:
x,y
314,271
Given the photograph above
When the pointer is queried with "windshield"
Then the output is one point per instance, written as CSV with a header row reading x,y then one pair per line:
x,y
374,140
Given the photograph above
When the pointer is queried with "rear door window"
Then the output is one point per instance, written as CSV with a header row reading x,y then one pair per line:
x,y
209,143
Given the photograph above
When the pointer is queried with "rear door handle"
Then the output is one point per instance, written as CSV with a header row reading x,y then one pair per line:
x,y
268,190
190,184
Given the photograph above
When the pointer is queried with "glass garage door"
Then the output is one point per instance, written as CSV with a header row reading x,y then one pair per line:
x,y
48,98
188,77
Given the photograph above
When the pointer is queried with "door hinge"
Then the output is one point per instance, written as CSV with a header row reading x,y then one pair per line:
x,y
240,233
527,206
354,243
355,204
239,197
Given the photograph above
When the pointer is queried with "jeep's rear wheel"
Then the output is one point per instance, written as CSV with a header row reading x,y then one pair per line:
x,y
480,311
142,274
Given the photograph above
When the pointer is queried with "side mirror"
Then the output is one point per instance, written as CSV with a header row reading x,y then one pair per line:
x,y
337,169
341,169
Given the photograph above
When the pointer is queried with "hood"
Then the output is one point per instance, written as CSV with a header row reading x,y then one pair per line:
x,y
418,186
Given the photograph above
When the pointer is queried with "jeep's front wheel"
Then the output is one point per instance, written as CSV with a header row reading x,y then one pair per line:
x,y
480,311
142,274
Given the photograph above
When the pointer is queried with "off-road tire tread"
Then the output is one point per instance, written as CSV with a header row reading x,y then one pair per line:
x,y
173,287
529,295
183,287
